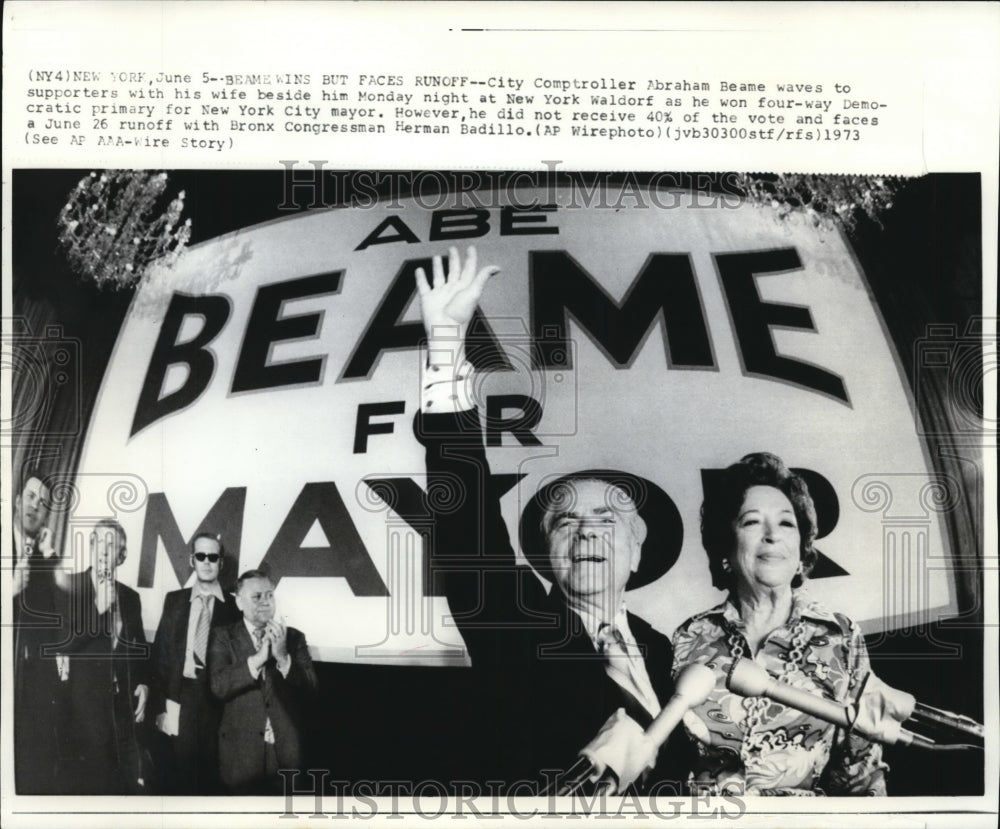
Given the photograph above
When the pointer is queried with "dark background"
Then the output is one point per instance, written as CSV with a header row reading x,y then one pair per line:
x,y
924,265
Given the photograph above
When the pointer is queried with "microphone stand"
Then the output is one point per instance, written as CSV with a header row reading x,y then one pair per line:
x,y
893,708
576,778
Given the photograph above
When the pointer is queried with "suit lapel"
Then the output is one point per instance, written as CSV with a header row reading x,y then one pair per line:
x,y
657,654
242,640
572,643
184,614
221,614
569,639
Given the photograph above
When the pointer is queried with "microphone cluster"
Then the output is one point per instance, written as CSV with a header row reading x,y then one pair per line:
x,y
878,712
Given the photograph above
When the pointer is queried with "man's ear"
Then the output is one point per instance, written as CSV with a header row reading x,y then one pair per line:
x,y
639,532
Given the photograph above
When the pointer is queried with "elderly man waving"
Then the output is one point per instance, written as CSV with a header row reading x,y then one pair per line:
x,y
552,671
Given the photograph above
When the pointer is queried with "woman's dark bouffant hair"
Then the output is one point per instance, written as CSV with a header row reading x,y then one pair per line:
x,y
723,502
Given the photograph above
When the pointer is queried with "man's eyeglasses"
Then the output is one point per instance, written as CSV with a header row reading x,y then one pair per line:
x,y
211,557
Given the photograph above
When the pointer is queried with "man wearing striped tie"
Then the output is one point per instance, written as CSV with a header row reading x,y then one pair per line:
x,y
556,673
262,672
188,714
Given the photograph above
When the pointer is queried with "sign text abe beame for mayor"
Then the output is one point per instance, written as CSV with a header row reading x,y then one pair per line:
x,y
666,287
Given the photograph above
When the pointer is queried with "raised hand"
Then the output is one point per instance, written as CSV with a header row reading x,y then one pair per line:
x,y
44,543
258,659
278,636
447,304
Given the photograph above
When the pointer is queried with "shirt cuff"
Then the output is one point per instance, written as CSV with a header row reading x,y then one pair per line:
x,y
285,666
446,380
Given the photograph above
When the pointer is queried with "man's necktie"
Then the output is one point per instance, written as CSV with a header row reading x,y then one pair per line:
x,y
265,686
619,666
615,653
612,644
201,631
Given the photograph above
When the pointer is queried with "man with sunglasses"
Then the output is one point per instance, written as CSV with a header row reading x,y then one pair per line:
x,y
187,712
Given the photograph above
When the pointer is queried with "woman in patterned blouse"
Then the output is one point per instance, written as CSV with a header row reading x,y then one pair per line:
x,y
758,529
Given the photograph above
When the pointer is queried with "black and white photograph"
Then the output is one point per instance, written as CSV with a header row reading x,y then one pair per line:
x,y
430,422
538,492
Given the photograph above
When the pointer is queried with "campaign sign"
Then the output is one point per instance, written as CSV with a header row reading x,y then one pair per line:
x,y
265,389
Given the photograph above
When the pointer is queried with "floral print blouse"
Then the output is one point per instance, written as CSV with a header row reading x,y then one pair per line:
x,y
757,746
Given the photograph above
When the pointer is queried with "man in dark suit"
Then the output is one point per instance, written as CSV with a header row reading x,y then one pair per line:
x,y
263,674
103,659
184,706
37,623
551,670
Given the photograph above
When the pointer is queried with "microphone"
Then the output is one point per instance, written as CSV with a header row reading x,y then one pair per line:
x,y
748,679
694,684
879,713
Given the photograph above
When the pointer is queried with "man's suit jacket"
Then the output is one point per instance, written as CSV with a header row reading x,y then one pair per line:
x,y
170,645
102,738
97,665
37,689
542,690
248,703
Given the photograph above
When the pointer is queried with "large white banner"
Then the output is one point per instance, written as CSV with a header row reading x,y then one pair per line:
x,y
265,388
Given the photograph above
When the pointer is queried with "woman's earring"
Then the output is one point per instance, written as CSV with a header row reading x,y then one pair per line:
x,y
725,565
